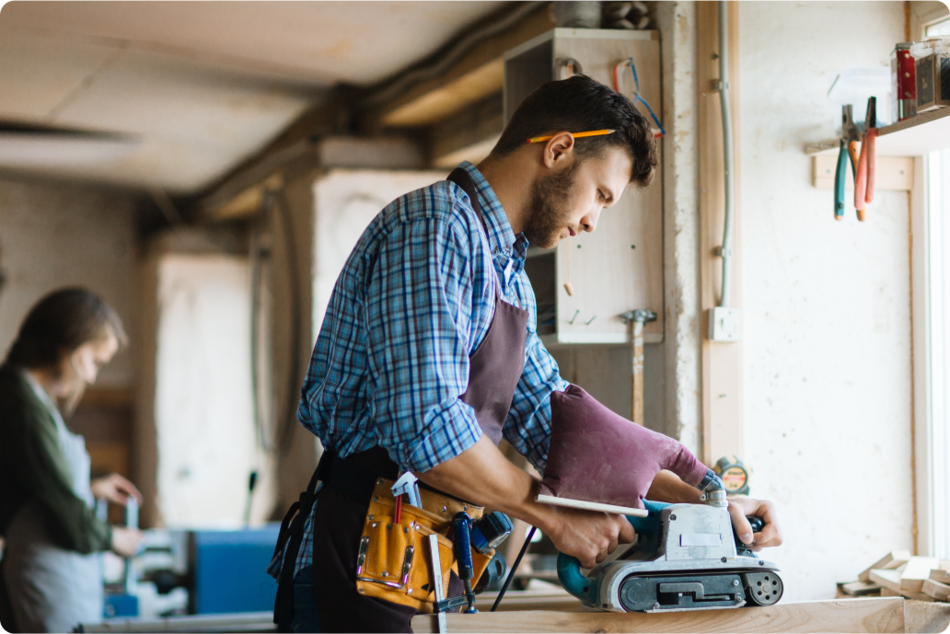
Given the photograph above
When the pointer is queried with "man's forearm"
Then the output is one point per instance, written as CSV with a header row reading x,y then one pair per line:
x,y
668,487
483,475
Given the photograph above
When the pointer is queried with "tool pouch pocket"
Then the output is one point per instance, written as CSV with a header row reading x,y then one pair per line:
x,y
394,562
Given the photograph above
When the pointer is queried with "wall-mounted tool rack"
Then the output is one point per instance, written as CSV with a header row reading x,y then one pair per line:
x,y
619,267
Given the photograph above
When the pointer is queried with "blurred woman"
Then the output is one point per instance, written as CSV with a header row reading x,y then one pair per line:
x,y
51,565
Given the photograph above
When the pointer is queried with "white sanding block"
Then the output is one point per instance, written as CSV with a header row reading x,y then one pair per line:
x,y
592,506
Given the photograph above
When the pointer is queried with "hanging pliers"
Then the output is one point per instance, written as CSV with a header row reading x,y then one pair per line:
x,y
866,175
848,147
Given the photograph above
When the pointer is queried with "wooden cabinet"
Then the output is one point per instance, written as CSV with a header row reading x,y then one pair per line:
x,y
619,267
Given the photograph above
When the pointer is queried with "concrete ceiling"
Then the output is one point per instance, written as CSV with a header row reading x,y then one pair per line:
x,y
191,88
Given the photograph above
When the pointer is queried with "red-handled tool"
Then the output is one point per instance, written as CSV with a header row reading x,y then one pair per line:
x,y
864,181
861,182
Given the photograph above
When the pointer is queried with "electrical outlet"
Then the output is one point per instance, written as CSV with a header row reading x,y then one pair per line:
x,y
725,324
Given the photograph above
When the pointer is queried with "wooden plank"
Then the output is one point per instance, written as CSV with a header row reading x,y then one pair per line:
x,y
889,579
893,173
848,615
936,589
926,617
890,583
859,588
892,559
941,576
917,570
723,412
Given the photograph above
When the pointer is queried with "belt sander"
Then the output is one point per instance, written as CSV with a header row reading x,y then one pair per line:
x,y
686,556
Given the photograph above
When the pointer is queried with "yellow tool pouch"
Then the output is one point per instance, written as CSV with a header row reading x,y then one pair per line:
x,y
394,562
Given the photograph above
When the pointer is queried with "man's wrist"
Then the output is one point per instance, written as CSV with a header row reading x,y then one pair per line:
x,y
668,487
535,513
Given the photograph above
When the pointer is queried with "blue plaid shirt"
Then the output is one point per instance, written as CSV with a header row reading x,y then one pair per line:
x,y
415,299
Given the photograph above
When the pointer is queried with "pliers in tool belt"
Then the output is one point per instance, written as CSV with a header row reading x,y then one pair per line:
x,y
865,177
848,147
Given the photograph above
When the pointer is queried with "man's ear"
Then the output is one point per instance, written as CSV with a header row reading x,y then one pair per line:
x,y
558,150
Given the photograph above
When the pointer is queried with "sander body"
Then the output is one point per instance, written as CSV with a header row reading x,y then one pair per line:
x,y
686,557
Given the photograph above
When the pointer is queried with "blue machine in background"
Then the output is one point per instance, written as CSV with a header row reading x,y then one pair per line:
x,y
229,570
204,572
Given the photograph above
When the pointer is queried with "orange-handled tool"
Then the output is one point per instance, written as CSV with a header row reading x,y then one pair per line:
x,y
866,178
861,183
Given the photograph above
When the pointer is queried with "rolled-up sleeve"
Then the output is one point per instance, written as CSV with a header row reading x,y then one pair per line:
x,y
419,329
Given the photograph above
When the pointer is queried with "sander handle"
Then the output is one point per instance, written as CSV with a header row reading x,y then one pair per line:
x,y
588,589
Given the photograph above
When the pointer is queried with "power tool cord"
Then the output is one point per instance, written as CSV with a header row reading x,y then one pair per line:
x,y
514,568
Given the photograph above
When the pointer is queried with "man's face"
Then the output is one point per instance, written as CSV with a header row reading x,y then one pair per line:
x,y
569,200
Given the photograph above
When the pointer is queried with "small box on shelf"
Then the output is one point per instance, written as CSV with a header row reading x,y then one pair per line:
x,y
933,82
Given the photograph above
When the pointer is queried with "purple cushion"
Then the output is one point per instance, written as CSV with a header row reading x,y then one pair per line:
x,y
598,456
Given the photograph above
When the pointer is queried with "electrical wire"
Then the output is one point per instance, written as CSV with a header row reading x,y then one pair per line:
x,y
274,206
727,155
636,92
257,255
511,574
289,414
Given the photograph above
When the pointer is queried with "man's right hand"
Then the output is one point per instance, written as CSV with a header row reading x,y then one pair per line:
x,y
125,541
588,535
481,474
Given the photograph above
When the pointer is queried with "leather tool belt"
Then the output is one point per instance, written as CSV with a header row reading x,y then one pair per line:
x,y
394,562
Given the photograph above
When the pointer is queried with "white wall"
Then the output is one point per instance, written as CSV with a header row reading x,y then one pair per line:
x,y
54,235
827,304
204,426
345,202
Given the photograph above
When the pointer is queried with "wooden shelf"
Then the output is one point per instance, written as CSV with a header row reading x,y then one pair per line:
x,y
925,133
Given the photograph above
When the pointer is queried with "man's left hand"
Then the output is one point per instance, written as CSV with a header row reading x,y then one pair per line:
x,y
771,534
115,488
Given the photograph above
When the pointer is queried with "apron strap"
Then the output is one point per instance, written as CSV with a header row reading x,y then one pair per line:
x,y
464,180
291,534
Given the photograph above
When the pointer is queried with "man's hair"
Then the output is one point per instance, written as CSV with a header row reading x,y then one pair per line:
x,y
580,104
59,324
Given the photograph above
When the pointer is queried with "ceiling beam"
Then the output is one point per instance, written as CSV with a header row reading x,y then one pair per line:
x,y
467,135
469,87
476,75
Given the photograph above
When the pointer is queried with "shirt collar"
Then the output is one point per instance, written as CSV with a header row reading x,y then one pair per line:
x,y
501,237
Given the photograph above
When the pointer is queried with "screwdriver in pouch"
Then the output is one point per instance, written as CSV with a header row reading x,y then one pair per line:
x,y
463,554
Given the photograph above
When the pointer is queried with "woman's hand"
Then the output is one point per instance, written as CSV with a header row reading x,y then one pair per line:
x,y
125,541
115,488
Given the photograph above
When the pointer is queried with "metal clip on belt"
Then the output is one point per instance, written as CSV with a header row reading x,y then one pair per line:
x,y
406,566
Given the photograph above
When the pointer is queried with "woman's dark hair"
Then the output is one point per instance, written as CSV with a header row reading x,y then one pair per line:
x,y
580,104
59,324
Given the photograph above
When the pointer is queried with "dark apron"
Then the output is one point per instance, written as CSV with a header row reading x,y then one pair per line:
x,y
494,371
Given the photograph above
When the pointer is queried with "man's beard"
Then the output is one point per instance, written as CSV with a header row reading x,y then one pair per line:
x,y
547,208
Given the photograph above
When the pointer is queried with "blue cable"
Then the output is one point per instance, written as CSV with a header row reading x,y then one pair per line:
x,y
637,97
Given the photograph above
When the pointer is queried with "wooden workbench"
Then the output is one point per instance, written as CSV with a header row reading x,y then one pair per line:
x,y
891,614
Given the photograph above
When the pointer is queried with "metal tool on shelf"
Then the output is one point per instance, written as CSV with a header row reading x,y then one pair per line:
x,y
637,319
847,148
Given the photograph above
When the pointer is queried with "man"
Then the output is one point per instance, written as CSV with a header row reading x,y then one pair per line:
x,y
429,354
